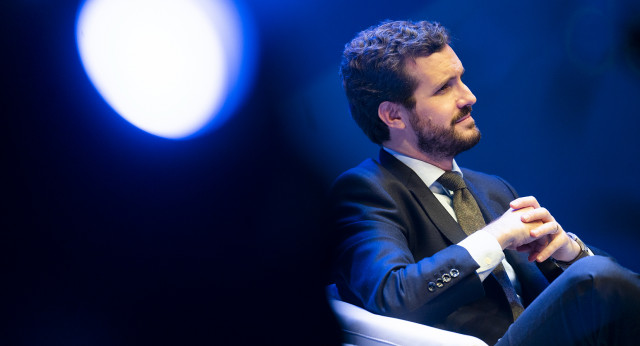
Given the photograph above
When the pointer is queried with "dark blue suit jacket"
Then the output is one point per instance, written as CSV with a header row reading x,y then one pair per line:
x,y
396,252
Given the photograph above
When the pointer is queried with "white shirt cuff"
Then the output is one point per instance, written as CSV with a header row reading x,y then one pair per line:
x,y
485,250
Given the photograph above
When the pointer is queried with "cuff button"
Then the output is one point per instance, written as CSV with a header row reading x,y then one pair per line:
x,y
454,273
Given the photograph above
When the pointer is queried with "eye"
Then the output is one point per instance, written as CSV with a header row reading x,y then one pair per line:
x,y
443,89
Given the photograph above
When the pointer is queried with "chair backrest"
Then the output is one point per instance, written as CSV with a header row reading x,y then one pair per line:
x,y
361,327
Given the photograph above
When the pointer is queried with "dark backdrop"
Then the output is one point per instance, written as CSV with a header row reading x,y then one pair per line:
x,y
113,236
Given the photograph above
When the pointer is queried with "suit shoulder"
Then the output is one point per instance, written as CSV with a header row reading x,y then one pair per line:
x,y
484,181
368,169
368,183
476,176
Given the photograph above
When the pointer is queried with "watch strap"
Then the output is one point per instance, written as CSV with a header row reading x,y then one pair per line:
x,y
584,252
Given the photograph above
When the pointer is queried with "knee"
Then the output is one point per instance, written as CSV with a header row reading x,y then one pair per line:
x,y
593,266
604,276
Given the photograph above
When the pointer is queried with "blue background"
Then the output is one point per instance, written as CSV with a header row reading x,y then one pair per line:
x,y
114,236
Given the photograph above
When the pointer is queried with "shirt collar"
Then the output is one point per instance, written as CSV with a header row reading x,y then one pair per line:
x,y
426,171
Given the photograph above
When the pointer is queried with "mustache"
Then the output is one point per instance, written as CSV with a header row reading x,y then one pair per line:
x,y
463,113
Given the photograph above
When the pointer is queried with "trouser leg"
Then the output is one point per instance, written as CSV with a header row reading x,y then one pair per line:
x,y
594,302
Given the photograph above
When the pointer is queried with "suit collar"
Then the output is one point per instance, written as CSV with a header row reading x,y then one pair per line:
x,y
429,203
428,172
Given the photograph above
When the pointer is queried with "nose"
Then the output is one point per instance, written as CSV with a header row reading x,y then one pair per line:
x,y
467,98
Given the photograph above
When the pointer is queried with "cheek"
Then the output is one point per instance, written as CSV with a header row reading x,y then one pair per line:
x,y
436,113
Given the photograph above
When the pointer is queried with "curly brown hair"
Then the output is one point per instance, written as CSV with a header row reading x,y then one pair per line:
x,y
372,69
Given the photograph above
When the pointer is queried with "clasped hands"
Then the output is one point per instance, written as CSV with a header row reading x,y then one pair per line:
x,y
528,227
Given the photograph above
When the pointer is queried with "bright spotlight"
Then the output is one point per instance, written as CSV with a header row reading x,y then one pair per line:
x,y
170,67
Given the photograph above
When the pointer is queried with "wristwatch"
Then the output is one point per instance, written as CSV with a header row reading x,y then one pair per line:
x,y
584,252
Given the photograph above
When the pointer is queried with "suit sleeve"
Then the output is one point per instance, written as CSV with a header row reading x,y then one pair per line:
x,y
375,267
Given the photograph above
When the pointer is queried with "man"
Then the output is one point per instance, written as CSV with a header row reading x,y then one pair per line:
x,y
419,238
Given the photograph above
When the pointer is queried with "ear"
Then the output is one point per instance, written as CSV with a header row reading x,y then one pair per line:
x,y
392,114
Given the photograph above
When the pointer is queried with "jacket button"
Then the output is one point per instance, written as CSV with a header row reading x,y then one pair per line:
x,y
431,286
454,273
439,283
446,277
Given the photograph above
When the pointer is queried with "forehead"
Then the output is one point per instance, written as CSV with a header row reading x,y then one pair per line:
x,y
435,68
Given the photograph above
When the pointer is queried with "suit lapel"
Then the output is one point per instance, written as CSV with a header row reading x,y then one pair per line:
x,y
432,208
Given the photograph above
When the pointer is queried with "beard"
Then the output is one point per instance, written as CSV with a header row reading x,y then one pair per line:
x,y
444,142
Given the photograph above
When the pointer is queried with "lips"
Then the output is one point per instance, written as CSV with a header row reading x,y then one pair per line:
x,y
465,112
463,118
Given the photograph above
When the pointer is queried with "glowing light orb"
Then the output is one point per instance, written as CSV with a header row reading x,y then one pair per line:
x,y
169,67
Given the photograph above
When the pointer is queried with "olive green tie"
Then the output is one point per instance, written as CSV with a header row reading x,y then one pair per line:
x,y
470,219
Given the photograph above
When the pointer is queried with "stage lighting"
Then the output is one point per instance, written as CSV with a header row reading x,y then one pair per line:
x,y
172,68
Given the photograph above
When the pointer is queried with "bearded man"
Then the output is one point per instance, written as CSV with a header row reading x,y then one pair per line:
x,y
421,239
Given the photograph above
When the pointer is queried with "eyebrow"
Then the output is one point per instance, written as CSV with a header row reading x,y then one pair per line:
x,y
440,85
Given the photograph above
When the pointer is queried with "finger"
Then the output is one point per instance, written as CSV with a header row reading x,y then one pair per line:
x,y
538,214
533,256
548,228
548,250
525,248
524,202
528,248
535,252
521,211
533,248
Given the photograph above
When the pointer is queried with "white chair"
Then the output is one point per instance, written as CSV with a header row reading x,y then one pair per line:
x,y
361,327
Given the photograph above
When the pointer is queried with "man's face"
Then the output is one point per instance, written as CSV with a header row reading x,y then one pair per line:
x,y
441,118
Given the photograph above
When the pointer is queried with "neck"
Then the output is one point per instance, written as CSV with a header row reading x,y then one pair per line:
x,y
445,163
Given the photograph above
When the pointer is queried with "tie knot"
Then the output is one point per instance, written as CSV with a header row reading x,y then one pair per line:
x,y
452,181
